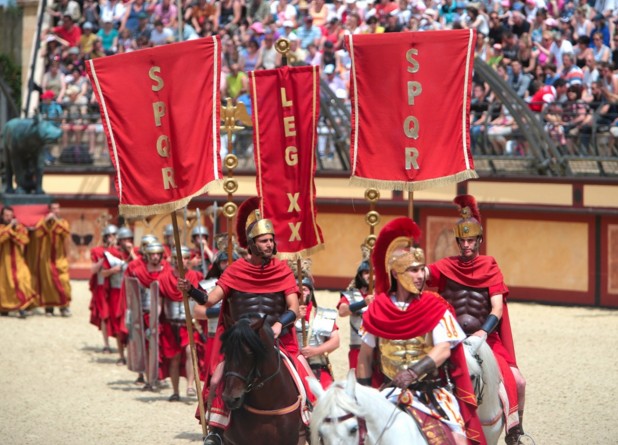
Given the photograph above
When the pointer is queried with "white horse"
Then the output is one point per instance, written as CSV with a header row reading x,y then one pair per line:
x,y
486,379
351,414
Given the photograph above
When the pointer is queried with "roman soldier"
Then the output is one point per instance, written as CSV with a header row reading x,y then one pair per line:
x,y
168,241
261,284
201,255
474,285
416,332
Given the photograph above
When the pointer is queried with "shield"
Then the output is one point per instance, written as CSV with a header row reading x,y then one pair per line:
x,y
136,346
152,366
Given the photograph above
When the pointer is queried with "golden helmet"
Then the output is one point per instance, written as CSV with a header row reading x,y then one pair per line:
x,y
469,225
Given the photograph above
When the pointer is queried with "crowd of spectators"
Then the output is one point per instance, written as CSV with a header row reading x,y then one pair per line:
x,y
558,55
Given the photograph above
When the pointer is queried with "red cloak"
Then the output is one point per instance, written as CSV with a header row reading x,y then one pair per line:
x,y
384,319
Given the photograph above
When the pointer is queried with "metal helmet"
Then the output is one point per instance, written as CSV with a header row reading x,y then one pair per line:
x,y
124,233
469,226
308,281
222,256
199,230
359,281
168,230
110,230
184,251
154,247
258,226
394,251
147,239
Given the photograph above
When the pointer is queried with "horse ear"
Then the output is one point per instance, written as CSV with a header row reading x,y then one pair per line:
x,y
350,387
257,323
315,386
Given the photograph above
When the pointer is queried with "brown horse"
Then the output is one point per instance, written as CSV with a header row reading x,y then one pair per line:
x,y
259,390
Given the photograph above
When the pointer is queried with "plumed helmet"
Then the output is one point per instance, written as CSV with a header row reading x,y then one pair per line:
x,y
168,230
110,230
250,224
394,250
184,251
124,233
199,230
154,247
469,225
147,239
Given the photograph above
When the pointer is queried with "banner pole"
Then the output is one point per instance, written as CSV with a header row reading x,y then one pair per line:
x,y
299,277
189,323
372,218
411,205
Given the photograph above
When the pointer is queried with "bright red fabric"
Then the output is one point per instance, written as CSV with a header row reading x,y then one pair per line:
x,y
386,320
181,81
417,83
286,104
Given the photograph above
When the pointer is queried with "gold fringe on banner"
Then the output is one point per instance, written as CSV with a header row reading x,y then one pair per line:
x,y
412,186
286,256
133,211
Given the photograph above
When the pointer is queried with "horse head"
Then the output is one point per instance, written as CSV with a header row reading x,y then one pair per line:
x,y
246,346
337,416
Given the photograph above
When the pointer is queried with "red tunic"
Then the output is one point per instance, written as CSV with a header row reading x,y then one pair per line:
x,y
384,319
99,309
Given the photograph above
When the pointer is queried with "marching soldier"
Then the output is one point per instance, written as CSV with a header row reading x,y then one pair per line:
x,y
201,255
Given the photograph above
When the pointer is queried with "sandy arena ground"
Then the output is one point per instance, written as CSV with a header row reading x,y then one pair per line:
x,y
58,388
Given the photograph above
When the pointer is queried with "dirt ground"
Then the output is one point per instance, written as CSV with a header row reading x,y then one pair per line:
x,y
58,388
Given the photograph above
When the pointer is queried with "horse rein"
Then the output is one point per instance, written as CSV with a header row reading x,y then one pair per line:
x,y
252,385
362,425
479,388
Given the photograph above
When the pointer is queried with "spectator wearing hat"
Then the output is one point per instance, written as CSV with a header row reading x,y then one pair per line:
x,y
144,28
258,11
109,37
87,39
50,109
600,26
308,34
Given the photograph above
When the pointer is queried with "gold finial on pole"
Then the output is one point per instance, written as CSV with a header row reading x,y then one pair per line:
x,y
372,218
282,46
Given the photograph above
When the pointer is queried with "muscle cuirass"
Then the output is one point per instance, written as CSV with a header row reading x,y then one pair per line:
x,y
174,310
272,305
356,319
472,305
144,296
399,355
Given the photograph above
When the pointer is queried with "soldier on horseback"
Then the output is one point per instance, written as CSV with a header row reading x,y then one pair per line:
x,y
416,333
261,284
474,285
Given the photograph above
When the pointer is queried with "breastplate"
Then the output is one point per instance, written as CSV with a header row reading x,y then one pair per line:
x,y
241,303
174,310
115,280
356,318
144,297
318,330
398,355
472,305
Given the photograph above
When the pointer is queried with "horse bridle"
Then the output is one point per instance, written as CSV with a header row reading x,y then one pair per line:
x,y
362,425
252,378
477,381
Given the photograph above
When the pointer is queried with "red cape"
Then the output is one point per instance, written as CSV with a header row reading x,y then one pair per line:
x,y
243,276
139,269
168,282
481,272
386,320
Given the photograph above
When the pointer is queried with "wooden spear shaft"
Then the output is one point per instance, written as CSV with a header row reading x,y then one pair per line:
x,y
189,323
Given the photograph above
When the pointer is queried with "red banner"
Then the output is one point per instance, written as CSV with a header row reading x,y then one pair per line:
x,y
411,108
160,112
285,105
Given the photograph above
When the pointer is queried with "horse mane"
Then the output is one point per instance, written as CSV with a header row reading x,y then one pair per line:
x,y
240,336
334,397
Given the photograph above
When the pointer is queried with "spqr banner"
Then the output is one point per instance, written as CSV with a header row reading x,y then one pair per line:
x,y
160,112
285,106
410,97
